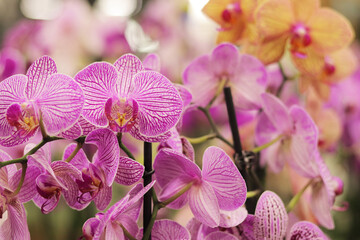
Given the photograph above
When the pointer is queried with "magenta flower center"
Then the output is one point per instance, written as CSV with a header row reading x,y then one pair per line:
x,y
300,38
91,185
231,12
47,186
22,117
121,113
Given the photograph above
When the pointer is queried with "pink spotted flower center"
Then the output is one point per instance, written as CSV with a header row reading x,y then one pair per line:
x,y
22,117
121,113
300,38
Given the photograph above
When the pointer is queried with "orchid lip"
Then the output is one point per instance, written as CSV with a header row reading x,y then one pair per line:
x,y
23,117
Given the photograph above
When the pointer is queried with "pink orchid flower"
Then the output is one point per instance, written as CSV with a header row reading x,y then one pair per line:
x,y
210,188
244,73
298,137
126,98
106,167
165,229
122,214
41,92
57,178
13,224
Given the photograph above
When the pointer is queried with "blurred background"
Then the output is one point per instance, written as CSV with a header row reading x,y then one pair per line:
x,y
78,32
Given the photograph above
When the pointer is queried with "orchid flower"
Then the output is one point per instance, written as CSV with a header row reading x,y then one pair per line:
x,y
13,224
208,190
56,178
306,231
106,167
122,215
235,18
206,75
41,93
126,98
304,25
297,137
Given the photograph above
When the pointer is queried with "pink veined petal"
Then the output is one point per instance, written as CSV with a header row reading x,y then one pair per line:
x,y
127,65
90,227
171,189
60,102
152,62
276,155
224,59
16,138
8,171
114,232
321,206
200,80
188,149
249,82
224,177
170,165
15,226
12,90
271,218
38,73
62,168
129,171
265,130
204,204
41,158
129,224
174,141
277,113
220,235
247,227
86,127
108,152
80,160
134,198
304,143
28,189
326,177
233,218
193,226
185,94
135,132
117,207
97,81
71,192
73,132
167,229
305,230
103,198
160,104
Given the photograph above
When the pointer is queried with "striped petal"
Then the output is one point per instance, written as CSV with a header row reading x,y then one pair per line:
x,y
15,226
38,74
271,218
160,104
127,65
129,171
305,230
103,198
12,90
108,152
61,103
98,83
221,173
167,229
204,204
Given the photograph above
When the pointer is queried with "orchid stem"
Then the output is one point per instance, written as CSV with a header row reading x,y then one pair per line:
x,y
23,173
147,233
297,197
73,154
23,159
218,92
42,127
252,194
213,126
123,147
266,145
147,213
201,139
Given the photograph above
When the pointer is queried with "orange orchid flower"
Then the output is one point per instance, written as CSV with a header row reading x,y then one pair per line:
x,y
304,25
235,17
320,71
